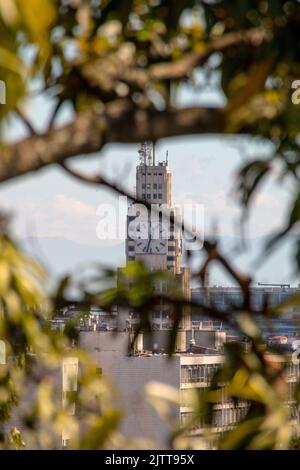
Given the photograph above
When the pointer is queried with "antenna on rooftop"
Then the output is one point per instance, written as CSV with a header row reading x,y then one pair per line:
x,y
167,157
145,153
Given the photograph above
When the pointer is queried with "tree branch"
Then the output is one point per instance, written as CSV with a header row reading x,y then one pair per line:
x,y
25,121
90,130
103,74
120,121
178,69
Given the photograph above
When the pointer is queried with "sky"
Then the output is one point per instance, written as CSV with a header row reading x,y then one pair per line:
x,y
50,205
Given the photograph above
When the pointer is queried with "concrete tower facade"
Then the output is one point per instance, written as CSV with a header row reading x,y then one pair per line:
x,y
154,237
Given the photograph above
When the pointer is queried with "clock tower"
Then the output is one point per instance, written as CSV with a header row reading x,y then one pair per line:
x,y
153,237
155,242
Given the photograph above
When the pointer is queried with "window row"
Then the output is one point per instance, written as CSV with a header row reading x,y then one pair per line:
x,y
154,186
220,418
154,196
198,373
132,258
170,248
158,315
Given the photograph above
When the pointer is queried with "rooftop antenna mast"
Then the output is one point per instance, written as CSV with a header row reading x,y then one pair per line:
x,y
167,157
145,153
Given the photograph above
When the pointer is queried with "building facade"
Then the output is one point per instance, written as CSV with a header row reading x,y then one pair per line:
x,y
154,234
189,374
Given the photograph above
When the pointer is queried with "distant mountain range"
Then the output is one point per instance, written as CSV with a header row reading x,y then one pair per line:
x,y
61,255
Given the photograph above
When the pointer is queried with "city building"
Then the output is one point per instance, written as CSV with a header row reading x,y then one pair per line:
x,y
91,319
224,298
154,236
188,373
132,373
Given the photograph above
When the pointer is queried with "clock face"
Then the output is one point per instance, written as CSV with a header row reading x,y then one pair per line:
x,y
157,231
153,243
142,230
154,247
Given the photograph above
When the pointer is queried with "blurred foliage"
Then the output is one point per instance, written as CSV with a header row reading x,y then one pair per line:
x,y
295,443
35,354
92,53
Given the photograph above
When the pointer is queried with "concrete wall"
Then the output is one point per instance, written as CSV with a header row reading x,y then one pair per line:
x,y
104,341
203,338
157,341
130,375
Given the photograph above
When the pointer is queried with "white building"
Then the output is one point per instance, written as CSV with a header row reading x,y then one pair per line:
x,y
186,372
131,374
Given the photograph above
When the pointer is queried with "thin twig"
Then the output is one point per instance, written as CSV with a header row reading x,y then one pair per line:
x,y
25,121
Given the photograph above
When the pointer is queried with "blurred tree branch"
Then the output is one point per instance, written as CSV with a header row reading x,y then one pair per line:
x,y
120,66
91,130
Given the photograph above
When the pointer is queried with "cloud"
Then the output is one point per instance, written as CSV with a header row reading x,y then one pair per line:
x,y
73,207
48,234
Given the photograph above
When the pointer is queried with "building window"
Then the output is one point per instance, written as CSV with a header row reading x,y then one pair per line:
x,y
154,196
160,174
154,186
144,174
156,315
149,174
143,186
155,174
160,186
143,196
148,186
131,248
148,196
160,196
130,258
171,248
170,258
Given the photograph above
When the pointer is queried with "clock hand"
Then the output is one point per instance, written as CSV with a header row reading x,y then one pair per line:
x,y
149,241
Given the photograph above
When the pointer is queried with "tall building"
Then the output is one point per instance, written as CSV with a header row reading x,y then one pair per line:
x,y
157,242
198,351
154,232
